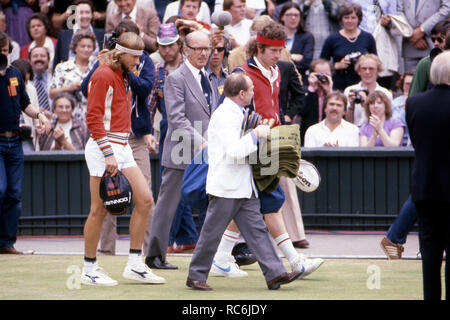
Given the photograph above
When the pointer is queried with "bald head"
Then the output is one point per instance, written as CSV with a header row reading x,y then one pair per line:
x,y
197,48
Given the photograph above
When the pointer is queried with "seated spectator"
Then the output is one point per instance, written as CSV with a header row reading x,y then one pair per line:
x,y
38,27
14,51
67,133
398,105
346,45
145,18
238,31
69,74
320,84
39,58
368,68
299,42
189,9
333,131
381,129
83,21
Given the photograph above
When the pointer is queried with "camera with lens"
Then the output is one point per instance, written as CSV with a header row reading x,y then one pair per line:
x,y
358,98
353,57
322,78
110,40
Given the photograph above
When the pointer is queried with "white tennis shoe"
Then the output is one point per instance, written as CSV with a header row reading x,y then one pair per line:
x,y
140,272
306,265
97,277
227,267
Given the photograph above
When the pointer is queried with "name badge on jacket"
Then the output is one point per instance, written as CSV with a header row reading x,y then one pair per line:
x,y
13,83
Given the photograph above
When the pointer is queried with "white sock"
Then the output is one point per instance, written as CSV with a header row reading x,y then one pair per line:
x,y
90,266
134,257
285,244
227,242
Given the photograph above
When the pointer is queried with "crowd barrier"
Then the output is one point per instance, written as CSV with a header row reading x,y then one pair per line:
x,y
361,189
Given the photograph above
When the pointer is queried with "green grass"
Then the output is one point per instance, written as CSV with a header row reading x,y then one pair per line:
x,y
50,277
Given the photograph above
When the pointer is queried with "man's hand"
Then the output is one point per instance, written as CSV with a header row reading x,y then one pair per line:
x,y
416,35
385,20
111,165
151,143
44,124
262,131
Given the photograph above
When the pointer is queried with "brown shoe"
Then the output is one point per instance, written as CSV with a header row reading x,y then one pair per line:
x,y
183,248
10,250
169,249
283,279
392,250
198,284
302,244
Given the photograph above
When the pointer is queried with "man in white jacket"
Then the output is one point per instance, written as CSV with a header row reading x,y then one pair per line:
x,y
232,191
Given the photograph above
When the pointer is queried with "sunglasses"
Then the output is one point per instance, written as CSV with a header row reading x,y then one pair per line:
x,y
219,49
438,39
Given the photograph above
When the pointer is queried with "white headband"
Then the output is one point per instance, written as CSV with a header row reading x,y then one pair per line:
x,y
127,50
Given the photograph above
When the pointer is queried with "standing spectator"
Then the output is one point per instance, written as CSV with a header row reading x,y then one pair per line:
x,y
381,129
346,45
196,10
69,74
38,27
17,13
14,101
67,132
422,16
428,119
398,104
215,66
145,18
321,19
320,84
238,30
375,12
333,131
367,67
84,14
39,59
299,42
14,53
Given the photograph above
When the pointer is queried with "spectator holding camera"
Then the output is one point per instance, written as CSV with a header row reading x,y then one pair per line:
x,y
345,46
381,129
368,68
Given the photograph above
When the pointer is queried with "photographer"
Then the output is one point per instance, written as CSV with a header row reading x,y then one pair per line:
x,y
14,100
368,68
346,45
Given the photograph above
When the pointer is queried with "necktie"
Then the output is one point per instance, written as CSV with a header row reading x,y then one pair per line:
x,y
41,89
206,89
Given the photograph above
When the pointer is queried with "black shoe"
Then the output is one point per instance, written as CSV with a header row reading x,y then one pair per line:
x,y
243,255
158,263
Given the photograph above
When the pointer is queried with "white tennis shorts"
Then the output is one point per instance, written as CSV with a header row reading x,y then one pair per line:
x,y
96,161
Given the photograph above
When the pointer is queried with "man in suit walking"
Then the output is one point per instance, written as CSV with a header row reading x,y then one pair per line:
x,y
422,15
189,102
232,191
428,119
146,19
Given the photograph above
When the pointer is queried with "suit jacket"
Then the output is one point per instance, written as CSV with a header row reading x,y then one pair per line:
x,y
229,173
188,117
63,44
146,18
303,44
291,91
428,119
309,113
427,14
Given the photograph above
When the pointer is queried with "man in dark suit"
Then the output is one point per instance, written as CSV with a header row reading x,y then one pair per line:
x,y
291,91
84,14
428,119
189,101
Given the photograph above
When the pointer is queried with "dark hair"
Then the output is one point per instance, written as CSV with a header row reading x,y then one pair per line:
x,y
235,83
88,2
226,5
4,38
348,8
336,95
447,41
126,26
80,35
316,62
66,95
24,67
32,49
289,5
401,81
441,27
198,1
43,18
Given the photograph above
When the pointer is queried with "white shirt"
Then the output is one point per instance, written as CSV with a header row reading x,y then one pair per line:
x,y
346,135
132,14
359,116
196,72
240,31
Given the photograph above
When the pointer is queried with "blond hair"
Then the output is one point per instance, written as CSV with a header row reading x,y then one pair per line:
x,y
128,40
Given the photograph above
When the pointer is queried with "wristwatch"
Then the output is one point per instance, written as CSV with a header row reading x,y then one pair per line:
x,y
142,34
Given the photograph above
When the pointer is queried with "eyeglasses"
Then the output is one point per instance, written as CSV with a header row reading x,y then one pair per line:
x,y
438,39
200,49
292,15
219,49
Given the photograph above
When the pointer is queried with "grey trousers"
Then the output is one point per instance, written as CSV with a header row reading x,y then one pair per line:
x,y
168,199
247,216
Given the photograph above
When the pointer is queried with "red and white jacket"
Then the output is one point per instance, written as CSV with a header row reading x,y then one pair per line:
x,y
108,115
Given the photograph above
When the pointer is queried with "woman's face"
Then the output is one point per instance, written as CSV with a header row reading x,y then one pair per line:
x,y
84,48
377,108
291,18
63,110
350,21
84,15
37,29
